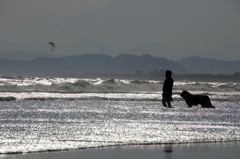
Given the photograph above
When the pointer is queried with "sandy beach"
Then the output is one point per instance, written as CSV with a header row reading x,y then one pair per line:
x,y
219,150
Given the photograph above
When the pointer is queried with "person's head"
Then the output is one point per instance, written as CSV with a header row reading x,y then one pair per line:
x,y
168,73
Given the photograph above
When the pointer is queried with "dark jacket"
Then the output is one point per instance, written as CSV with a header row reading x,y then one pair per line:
x,y
167,88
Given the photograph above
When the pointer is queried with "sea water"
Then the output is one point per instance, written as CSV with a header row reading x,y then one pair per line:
x,y
71,113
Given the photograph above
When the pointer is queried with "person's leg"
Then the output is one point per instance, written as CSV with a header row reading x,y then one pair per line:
x,y
169,104
164,103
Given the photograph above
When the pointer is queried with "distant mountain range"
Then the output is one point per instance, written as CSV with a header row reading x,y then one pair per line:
x,y
89,63
90,46
25,56
200,65
101,63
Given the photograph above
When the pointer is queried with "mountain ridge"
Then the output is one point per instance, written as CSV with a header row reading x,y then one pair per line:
x,y
121,64
90,63
200,65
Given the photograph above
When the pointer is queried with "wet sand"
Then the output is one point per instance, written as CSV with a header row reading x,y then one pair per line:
x,y
218,150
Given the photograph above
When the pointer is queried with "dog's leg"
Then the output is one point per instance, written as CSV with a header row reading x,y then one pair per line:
x,y
189,105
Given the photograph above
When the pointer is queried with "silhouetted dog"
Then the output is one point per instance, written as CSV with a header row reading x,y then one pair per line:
x,y
191,100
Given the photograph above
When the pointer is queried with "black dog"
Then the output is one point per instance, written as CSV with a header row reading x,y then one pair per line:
x,y
191,100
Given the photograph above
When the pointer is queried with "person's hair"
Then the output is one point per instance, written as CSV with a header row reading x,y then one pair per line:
x,y
168,73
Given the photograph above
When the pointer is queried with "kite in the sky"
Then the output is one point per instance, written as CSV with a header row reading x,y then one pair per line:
x,y
52,46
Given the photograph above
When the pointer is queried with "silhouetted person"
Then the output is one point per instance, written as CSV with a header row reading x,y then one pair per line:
x,y
167,89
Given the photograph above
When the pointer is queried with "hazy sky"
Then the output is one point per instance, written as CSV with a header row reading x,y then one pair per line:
x,y
210,28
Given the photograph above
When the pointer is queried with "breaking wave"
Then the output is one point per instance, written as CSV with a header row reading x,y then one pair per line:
x,y
13,88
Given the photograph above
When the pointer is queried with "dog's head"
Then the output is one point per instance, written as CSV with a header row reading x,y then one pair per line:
x,y
185,94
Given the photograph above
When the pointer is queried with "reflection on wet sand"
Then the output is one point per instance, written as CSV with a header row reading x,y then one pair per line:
x,y
168,149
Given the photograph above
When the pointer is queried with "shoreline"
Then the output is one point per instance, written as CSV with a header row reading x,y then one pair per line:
x,y
218,150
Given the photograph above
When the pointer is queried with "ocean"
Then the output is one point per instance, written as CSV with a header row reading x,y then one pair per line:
x,y
53,114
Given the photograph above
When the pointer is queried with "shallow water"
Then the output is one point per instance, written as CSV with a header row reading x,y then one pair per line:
x,y
33,126
71,113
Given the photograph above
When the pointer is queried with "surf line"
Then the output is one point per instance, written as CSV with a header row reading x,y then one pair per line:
x,y
118,142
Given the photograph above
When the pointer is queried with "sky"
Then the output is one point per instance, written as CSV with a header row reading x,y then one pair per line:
x,y
207,28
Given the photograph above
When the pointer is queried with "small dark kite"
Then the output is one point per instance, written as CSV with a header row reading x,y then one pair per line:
x,y
52,46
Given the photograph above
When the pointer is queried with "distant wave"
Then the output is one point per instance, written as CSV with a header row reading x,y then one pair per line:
x,y
77,88
7,98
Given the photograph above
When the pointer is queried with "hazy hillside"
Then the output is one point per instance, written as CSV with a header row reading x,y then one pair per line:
x,y
121,64
206,65
89,63
8,50
26,56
